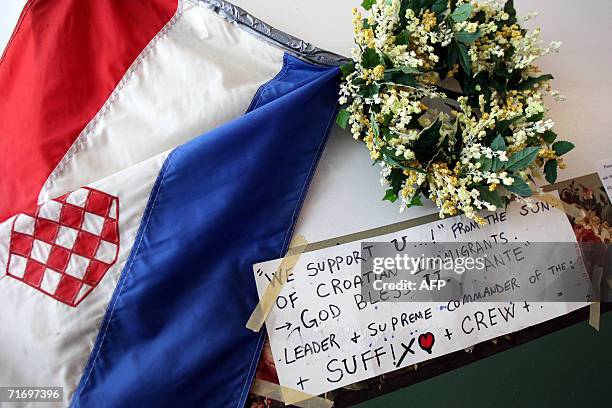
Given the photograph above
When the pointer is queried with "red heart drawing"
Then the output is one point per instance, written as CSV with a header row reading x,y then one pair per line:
x,y
426,341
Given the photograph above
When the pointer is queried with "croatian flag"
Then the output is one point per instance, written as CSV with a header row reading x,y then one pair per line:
x,y
150,153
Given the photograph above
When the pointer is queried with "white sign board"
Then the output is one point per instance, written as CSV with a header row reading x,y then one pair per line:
x,y
324,336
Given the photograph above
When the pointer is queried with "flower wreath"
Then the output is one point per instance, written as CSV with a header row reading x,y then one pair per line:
x,y
446,96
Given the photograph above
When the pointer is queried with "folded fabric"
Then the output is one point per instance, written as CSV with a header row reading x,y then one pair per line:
x,y
129,280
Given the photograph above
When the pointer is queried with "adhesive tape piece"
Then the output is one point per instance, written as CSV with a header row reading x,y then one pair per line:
x,y
595,315
288,396
262,310
597,274
577,214
570,210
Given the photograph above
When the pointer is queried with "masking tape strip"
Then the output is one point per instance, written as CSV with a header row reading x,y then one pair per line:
x,y
576,213
595,315
595,309
288,396
570,210
266,302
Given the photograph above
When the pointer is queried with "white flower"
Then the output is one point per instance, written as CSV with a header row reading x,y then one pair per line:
x,y
557,96
507,181
471,27
398,109
502,156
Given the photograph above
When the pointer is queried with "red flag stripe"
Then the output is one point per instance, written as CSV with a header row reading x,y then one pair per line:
x,y
61,65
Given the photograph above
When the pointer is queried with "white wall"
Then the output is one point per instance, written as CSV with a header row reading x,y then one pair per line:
x,y
9,14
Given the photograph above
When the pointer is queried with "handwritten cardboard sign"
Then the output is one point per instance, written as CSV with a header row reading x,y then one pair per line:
x,y
324,335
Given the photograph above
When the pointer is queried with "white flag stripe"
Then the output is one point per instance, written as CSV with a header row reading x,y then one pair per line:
x,y
202,73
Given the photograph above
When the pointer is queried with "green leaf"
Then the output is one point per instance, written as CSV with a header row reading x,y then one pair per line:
x,y
499,84
368,91
404,6
347,69
390,196
464,59
536,117
458,142
374,124
497,164
500,68
522,159
467,38
550,171
425,146
391,161
499,144
343,118
396,178
358,81
485,163
387,118
462,13
549,136
530,82
532,140
387,134
367,4
504,125
561,148
405,70
370,58
403,38
520,188
491,197
453,57
444,150
401,78
439,6
509,8
416,201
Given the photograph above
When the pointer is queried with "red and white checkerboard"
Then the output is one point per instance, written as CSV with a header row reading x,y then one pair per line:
x,y
66,247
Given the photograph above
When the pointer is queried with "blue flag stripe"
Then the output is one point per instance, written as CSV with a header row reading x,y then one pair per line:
x,y
175,330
